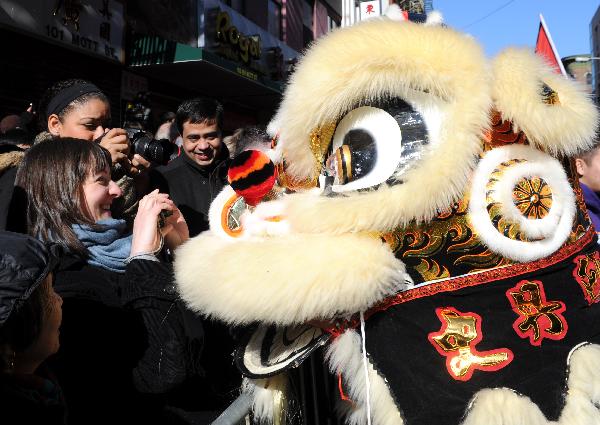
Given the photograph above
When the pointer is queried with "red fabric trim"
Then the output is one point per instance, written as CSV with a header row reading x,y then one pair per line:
x,y
454,284
341,389
484,277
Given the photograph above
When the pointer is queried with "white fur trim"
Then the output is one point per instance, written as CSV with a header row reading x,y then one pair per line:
x,y
554,228
216,209
252,223
434,17
286,280
264,393
344,356
432,68
563,128
504,407
395,13
274,155
260,221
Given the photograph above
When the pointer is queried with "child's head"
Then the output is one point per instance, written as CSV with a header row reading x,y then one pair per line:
x,y
30,310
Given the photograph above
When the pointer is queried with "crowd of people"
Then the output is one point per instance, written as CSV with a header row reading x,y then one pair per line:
x,y
91,328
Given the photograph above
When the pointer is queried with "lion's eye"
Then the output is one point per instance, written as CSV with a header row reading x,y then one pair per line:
x,y
375,144
354,159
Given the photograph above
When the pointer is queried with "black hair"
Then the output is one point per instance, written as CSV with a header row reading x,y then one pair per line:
x,y
199,110
167,116
251,137
12,138
56,88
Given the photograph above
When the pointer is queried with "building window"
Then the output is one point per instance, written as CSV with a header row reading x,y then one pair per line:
x,y
274,18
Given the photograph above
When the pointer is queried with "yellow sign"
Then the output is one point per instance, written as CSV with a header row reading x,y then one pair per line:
x,y
248,47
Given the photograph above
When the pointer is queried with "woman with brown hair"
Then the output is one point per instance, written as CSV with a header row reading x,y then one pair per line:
x,y
122,336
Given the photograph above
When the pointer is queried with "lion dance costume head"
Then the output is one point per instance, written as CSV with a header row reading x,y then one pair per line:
x,y
428,194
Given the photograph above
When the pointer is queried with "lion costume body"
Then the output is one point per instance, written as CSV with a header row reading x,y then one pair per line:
x,y
432,194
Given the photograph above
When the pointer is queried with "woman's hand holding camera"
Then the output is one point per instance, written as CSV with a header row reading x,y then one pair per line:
x,y
146,233
115,142
138,165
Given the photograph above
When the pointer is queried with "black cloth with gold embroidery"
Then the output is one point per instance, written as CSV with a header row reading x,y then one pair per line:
x,y
522,323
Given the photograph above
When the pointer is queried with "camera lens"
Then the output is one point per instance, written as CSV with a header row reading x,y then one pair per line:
x,y
156,151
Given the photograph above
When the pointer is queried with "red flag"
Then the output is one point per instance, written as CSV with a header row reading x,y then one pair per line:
x,y
546,49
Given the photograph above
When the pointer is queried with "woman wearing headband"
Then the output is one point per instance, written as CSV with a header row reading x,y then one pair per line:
x,y
77,108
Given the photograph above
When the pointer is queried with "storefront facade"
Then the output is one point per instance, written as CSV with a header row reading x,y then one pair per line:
x,y
239,52
44,41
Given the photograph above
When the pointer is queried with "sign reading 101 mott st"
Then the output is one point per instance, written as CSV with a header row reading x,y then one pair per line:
x,y
94,26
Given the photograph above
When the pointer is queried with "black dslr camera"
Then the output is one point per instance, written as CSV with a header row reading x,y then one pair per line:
x,y
137,117
144,144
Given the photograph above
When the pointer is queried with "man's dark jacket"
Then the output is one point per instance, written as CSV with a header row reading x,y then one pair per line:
x,y
192,187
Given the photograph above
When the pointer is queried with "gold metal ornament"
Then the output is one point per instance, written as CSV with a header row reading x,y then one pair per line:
x,y
533,197
456,341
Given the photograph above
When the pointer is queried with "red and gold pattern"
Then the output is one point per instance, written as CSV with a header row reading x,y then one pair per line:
x,y
448,246
533,197
586,274
538,318
456,341
454,284
505,226
501,133
446,243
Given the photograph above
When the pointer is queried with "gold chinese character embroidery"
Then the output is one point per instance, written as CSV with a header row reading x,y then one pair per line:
x,y
586,275
538,318
456,341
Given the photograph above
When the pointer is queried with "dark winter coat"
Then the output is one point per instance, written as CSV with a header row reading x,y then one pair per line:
x,y
124,346
193,188
31,399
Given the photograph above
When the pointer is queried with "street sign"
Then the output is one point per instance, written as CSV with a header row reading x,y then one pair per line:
x,y
370,9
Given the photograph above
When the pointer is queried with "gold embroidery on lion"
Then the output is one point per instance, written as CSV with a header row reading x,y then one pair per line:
x,y
456,341
449,232
586,275
533,197
538,318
